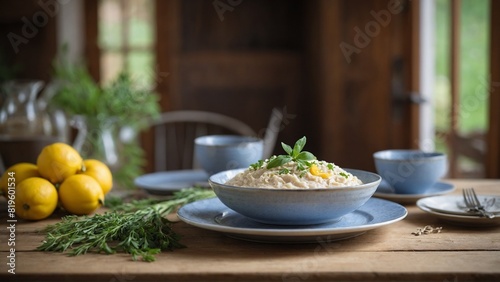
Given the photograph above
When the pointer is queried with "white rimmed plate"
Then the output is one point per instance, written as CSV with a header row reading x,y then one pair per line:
x,y
212,214
452,209
384,191
167,182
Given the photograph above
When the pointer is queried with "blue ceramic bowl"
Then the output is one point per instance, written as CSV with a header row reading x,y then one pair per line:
x,y
410,171
215,153
294,206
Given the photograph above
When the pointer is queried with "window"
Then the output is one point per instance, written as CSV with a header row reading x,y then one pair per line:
x,y
461,113
126,40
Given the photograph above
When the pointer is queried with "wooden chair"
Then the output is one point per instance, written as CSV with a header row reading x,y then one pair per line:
x,y
174,133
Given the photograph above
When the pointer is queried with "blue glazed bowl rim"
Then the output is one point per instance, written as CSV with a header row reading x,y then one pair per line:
x,y
238,140
406,155
288,190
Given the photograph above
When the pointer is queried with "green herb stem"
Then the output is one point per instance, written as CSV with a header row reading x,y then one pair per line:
x,y
140,230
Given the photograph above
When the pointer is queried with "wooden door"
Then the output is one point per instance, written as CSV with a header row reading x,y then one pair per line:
x,y
238,58
363,62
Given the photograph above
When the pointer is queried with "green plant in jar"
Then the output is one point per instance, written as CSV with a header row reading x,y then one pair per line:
x,y
102,114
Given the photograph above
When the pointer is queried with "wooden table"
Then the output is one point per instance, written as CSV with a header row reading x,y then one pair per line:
x,y
389,253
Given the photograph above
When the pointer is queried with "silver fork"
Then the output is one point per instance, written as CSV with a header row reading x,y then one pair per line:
x,y
473,203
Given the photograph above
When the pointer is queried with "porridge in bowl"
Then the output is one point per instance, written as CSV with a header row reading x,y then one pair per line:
x,y
317,174
297,170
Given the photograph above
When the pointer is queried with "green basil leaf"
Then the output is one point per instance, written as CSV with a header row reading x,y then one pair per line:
x,y
278,161
305,156
287,148
299,145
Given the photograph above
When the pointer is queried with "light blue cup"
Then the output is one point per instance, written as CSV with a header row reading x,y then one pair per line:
x,y
294,206
215,153
410,171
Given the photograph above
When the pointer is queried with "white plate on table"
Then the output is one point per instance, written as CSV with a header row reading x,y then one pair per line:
x,y
212,214
452,209
167,182
384,191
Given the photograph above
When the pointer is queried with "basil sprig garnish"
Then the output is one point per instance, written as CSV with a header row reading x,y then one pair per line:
x,y
294,154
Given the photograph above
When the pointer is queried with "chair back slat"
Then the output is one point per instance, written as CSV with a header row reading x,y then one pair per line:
x,y
174,133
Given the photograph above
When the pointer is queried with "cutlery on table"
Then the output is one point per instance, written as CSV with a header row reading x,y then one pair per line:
x,y
473,203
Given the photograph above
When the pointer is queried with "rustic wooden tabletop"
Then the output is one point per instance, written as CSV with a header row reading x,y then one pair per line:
x,y
388,253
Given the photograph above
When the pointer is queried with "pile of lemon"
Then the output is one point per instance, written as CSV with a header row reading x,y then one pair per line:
x,y
60,177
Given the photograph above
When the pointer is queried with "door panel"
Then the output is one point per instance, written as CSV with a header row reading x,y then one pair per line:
x,y
245,85
355,85
242,65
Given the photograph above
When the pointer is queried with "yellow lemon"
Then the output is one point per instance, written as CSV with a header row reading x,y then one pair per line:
x,y
58,161
100,172
17,173
36,198
80,194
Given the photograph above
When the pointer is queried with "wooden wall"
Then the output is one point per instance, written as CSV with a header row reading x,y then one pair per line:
x,y
27,38
241,63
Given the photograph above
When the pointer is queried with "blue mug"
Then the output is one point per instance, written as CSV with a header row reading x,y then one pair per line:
x,y
410,171
216,153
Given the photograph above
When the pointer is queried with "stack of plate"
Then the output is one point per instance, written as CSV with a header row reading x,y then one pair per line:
x,y
452,209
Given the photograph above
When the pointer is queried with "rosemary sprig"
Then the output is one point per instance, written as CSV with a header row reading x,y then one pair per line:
x,y
137,229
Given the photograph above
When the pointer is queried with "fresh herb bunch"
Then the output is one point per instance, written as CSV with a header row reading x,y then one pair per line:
x,y
295,154
119,104
136,228
121,100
